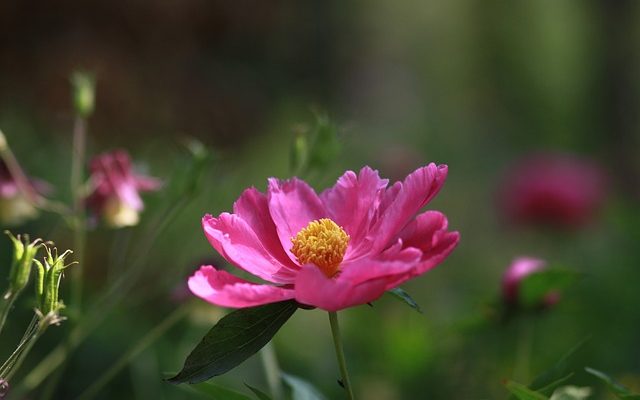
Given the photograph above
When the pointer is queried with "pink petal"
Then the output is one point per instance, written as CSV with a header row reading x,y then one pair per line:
x,y
226,290
420,232
352,202
359,282
292,205
234,239
402,202
253,208
147,183
315,289
444,244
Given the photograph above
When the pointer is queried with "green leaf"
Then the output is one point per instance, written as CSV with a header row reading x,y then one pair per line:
x,y
215,392
233,339
403,296
301,389
536,286
522,392
259,393
559,373
614,387
571,393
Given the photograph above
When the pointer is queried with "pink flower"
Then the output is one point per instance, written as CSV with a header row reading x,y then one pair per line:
x,y
116,189
520,269
17,200
342,248
553,189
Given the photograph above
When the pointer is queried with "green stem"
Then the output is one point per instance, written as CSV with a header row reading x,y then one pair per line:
x,y
6,302
523,352
272,371
335,331
79,223
133,352
42,326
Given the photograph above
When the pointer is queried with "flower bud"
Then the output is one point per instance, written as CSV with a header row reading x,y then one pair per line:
x,y
83,93
49,275
23,255
4,388
519,270
15,206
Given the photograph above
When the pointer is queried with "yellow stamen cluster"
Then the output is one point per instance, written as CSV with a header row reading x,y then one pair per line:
x,y
322,243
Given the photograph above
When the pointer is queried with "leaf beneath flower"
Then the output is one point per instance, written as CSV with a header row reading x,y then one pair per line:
x,y
620,391
535,287
259,393
403,296
522,392
233,339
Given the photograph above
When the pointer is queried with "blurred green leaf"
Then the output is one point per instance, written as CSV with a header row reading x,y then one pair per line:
x,y
522,392
614,387
233,339
259,393
403,296
559,373
535,287
216,392
301,389
571,393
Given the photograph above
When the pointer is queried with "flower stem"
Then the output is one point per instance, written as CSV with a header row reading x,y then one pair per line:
x,y
335,331
79,223
6,302
272,371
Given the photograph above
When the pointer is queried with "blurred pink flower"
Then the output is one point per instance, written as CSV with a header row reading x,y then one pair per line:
x,y
116,189
342,248
553,189
520,269
17,198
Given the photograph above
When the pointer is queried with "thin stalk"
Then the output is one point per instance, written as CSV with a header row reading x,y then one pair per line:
x,y
272,371
5,306
337,341
9,364
42,327
523,352
79,221
133,352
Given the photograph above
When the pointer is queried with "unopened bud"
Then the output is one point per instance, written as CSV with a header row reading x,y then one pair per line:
x,y
23,254
83,93
4,388
48,280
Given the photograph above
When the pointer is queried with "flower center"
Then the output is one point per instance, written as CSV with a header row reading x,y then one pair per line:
x,y
322,243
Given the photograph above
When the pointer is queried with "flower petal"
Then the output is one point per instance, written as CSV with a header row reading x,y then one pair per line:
x,y
292,205
315,289
226,290
403,201
360,282
253,208
234,239
351,203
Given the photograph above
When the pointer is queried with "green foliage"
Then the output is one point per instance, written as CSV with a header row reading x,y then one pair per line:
x,y
521,392
619,390
259,393
571,393
558,374
215,392
301,389
535,287
233,339
316,148
403,296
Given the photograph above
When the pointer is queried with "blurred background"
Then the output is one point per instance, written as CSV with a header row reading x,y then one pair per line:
x,y
484,87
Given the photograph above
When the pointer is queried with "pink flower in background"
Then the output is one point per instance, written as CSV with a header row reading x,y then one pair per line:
x,y
116,189
553,189
520,269
17,200
341,248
